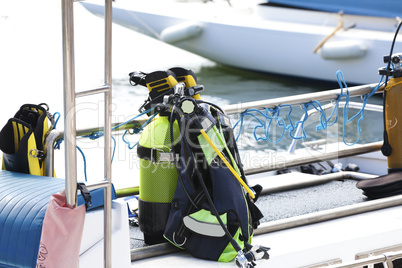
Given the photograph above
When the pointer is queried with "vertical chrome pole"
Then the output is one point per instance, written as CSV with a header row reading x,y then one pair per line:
x,y
108,135
108,93
69,103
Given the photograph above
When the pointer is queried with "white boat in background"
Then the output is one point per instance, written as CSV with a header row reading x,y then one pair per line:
x,y
345,231
308,39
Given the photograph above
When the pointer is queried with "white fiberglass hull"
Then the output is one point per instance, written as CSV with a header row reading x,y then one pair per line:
x,y
266,39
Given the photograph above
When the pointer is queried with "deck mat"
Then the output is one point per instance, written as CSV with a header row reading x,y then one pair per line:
x,y
286,204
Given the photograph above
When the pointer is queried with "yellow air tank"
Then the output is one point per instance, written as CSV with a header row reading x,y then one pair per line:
x,y
158,178
393,122
158,174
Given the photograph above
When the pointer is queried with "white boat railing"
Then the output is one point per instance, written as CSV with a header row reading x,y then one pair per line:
x,y
328,95
386,259
70,132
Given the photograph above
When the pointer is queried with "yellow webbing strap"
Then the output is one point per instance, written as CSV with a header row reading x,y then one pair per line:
x,y
33,161
250,192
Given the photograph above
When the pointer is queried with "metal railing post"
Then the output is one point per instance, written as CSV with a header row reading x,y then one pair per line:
x,y
327,95
108,93
69,103
108,135
70,132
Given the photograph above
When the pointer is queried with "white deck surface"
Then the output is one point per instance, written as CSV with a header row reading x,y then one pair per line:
x,y
297,247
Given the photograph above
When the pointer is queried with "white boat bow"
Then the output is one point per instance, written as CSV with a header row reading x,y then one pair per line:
x,y
263,38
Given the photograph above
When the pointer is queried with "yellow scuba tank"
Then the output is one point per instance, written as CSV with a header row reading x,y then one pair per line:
x,y
158,178
391,183
393,122
392,146
158,174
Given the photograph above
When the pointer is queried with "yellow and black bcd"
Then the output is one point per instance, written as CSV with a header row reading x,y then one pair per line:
x,y
22,139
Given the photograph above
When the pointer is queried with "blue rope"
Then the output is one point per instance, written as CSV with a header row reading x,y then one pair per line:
x,y
85,162
135,131
273,115
98,134
360,113
270,116
56,120
114,148
58,143
57,146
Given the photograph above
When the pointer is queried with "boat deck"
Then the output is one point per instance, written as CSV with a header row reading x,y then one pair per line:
x,y
297,202
297,246
290,203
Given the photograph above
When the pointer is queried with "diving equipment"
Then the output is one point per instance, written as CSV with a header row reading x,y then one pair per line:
x,y
392,147
22,139
158,175
212,214
391,183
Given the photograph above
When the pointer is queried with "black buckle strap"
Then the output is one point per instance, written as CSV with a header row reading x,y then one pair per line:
x,y
156,155
85,194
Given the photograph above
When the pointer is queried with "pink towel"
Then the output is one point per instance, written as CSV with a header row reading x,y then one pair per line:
x,y
61,234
